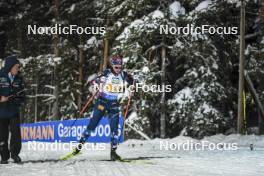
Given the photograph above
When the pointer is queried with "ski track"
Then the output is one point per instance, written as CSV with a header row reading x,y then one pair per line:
x,y
242,162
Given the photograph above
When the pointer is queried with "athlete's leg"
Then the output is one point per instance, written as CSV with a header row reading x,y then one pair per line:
x,y
98,112
114,122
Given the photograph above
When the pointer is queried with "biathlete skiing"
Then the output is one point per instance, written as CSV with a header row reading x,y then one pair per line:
x,y
111,90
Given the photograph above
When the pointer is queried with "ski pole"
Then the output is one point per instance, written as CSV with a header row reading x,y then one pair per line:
x,y
127,107
126,112
125,115
90,100
88,103
128,104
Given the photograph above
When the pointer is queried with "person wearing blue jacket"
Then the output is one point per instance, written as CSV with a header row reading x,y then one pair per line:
x,y
108,102
11,96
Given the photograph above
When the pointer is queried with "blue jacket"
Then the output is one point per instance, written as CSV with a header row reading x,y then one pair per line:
x,y
112,78
125,76
10,109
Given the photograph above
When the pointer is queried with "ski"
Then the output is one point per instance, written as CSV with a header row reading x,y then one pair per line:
x,y
70,155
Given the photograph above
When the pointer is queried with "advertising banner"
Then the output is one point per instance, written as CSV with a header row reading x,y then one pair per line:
x,y
68,131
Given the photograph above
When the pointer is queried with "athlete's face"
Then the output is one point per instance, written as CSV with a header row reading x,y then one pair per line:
x,y
117,68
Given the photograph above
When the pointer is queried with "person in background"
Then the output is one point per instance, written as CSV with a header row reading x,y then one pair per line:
x,y
11,96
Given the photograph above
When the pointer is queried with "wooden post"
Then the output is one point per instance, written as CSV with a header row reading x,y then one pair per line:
x,y
162,101
55,108
103,65
56,36
240,113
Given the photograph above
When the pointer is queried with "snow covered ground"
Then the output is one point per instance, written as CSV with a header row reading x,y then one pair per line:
x,y
149,160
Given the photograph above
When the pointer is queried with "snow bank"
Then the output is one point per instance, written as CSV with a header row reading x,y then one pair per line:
x,y
241,140
146,158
